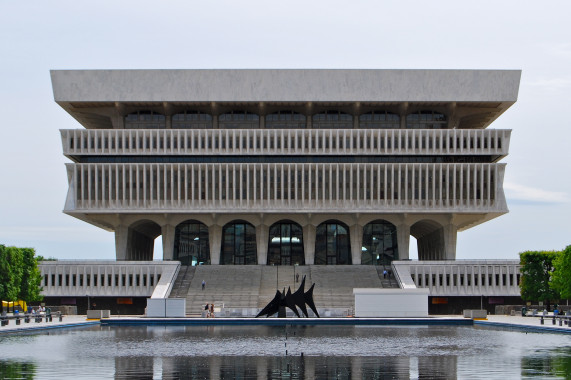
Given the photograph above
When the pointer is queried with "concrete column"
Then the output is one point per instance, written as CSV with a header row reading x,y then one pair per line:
x,y
450,231
403,241
309,244
167,232
262,233
121,241
262,124
262,367
356,232
215,241
214,121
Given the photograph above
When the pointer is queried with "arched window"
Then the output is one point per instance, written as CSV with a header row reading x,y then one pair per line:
x,y
238,244
191,245
285,120
379,243
379,120
191,120
145,120
239,120
333,120
285,245
332,244
426,120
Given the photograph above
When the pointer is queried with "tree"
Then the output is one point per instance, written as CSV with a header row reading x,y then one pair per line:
x,y
536,269
10,273
561,276
30,287
20,277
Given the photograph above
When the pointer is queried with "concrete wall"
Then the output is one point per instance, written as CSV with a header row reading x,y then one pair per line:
x,y
391,303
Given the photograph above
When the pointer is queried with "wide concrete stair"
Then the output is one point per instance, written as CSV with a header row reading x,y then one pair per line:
x,y
334,284
251,287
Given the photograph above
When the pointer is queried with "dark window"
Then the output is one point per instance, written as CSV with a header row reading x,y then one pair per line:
x,y
426,120
145,120
332,244
238,244
191,120
191,243
332,120
285,245
285,120
379,119
379,243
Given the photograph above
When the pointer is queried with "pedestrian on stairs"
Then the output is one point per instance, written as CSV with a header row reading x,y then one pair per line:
x,y
203,284
385,273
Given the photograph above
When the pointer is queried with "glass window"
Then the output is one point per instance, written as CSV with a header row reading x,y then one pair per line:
x,y
426,120
379,243
285,245
285,120
379,120
192,120
145,120
191,244
238,244
332,244
238,120
333,120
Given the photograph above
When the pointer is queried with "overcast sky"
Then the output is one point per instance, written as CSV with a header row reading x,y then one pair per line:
x,y
36,36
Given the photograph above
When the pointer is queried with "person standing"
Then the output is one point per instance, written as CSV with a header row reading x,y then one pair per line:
x,y
203,284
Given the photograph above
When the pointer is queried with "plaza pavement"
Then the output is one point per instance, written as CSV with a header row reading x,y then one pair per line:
x,y
498,321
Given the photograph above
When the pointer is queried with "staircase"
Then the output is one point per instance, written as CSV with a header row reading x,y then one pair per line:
x,y
253,286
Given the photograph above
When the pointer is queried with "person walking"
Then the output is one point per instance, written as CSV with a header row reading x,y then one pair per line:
x,y
203,284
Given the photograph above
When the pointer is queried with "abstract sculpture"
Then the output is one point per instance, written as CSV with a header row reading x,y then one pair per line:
x,y
291,300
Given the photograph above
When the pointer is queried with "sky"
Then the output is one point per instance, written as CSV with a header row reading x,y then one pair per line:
x,y
38,36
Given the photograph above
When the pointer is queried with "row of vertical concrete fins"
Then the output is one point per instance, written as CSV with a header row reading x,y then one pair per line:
x,y
492,142
475,187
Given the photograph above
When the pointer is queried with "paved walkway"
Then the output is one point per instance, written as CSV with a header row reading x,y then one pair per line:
x,y
503,321
525,323
68,321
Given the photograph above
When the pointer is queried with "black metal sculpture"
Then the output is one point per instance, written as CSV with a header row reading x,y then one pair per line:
x,y
291,300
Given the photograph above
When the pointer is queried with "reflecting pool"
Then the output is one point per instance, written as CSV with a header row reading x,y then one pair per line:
x,y
292,352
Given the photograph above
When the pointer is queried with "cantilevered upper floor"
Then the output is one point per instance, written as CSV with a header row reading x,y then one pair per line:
x,y
108,99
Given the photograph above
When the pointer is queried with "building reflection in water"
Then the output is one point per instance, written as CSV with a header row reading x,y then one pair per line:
x,y
286,367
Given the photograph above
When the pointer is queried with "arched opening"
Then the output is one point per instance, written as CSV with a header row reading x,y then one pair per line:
x,y
285,120
145,120
285,244
332,120
191,120
191,244
426,120
238,244
141,240
379,120
429,237
332,244
380,245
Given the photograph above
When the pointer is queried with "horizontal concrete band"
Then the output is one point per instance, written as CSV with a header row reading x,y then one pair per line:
x,y
285,85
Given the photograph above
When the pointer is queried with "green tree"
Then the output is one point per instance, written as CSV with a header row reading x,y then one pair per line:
x,y
10,273
20,277
561,276
30,287
536,269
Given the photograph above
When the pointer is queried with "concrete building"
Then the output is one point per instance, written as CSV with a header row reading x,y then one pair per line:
x,y
285,167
